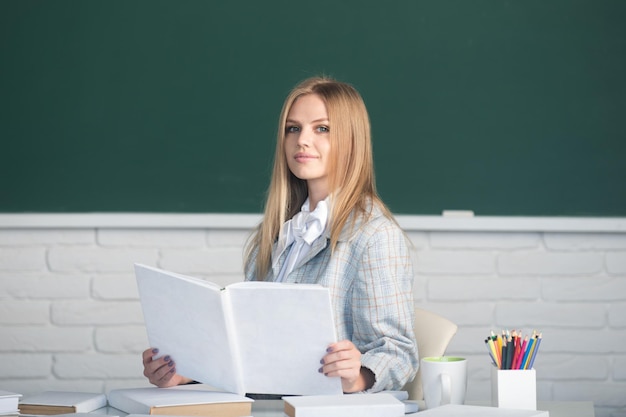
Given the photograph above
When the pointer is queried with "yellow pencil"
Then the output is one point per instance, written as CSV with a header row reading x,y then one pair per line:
x,y
494,351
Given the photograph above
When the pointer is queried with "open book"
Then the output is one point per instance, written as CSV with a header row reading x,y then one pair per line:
x,y
250,337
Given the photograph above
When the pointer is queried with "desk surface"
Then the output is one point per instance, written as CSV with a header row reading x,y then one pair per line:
x,y
558,408
274,408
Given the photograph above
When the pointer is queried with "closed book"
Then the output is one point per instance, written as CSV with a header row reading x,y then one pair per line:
x,y
455,410
61,402
187,400
362,405
8,402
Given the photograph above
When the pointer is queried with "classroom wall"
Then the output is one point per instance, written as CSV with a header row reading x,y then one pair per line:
x,y
70,317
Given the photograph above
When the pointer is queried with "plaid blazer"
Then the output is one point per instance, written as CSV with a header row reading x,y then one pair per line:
x,y
370,278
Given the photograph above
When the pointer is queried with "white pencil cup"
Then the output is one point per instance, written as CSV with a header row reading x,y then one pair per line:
x,y
514,388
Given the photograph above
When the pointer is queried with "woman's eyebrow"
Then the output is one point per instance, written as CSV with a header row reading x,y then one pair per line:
x,y
322,120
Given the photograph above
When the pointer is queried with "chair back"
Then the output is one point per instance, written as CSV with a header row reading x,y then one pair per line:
x,y
433,334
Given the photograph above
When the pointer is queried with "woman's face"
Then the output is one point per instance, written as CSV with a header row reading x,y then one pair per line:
x,y
307,142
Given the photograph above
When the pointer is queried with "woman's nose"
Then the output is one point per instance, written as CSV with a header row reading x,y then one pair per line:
x,y
304,138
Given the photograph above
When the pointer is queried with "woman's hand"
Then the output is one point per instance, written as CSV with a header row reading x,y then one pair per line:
x,y
344,360
162,371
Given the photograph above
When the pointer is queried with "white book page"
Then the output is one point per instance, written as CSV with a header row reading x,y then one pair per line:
x,y
184,319
282,331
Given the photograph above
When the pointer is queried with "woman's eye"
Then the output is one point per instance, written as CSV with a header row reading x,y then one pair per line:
x,y
323,129
292,129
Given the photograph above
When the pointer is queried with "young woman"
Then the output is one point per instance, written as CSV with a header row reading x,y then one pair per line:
x,y
324,223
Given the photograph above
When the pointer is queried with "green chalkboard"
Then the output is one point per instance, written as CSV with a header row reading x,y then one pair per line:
x,y
501,107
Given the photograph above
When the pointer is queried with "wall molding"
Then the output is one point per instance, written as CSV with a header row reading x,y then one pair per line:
x,y
248,221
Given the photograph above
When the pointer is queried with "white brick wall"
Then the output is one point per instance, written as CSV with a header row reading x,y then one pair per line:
x,y
70,317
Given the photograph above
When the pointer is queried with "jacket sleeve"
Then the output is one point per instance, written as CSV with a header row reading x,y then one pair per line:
x,y
383,310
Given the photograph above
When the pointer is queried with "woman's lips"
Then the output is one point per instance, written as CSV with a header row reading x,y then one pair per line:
x,y
303,157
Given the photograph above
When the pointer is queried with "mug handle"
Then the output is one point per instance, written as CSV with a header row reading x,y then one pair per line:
x,y
446,389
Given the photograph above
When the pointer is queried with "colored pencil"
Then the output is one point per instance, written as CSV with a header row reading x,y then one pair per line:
x,y
513,350
535,349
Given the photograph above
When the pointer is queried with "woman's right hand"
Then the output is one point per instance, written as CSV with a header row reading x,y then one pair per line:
x,y
162,371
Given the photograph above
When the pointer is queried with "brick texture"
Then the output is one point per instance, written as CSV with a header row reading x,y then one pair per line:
x,y
70,317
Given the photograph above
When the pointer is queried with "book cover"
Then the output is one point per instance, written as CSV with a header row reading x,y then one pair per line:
x,y
186,400
61,402
362,405
8,402
250,337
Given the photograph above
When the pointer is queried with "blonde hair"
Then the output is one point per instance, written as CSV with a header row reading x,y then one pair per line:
x,y
351,170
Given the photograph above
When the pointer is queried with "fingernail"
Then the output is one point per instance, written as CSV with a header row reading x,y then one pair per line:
x,y
155,350
167,358
322,361
170,363
329,349
320,370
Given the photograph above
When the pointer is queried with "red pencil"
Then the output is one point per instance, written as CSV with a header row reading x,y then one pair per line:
x,y
521,353
517,351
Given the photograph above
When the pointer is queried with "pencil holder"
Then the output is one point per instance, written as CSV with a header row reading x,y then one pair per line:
x,y
514,388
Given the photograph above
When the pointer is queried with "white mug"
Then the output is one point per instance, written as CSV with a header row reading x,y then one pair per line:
x,y
444,380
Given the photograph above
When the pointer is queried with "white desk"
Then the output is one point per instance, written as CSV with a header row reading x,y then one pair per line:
x,y
558,408
274,408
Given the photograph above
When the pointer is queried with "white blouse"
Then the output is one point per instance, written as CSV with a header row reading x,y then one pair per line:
x,y
300,232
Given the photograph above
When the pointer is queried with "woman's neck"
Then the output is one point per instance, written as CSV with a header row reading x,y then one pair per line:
x,y
317,192
315,199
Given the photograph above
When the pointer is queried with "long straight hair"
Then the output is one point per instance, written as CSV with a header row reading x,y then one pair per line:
x,y
350,171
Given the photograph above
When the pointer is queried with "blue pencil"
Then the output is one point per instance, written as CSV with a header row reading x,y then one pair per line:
x,y
532,360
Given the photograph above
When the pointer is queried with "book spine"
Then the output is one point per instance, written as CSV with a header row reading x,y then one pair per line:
x,y
233,343
91,404
118,399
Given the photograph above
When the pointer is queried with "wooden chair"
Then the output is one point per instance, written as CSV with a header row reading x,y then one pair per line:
x,y
433,334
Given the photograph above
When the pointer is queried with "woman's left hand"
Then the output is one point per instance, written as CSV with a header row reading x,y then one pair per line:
x,y
344,360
